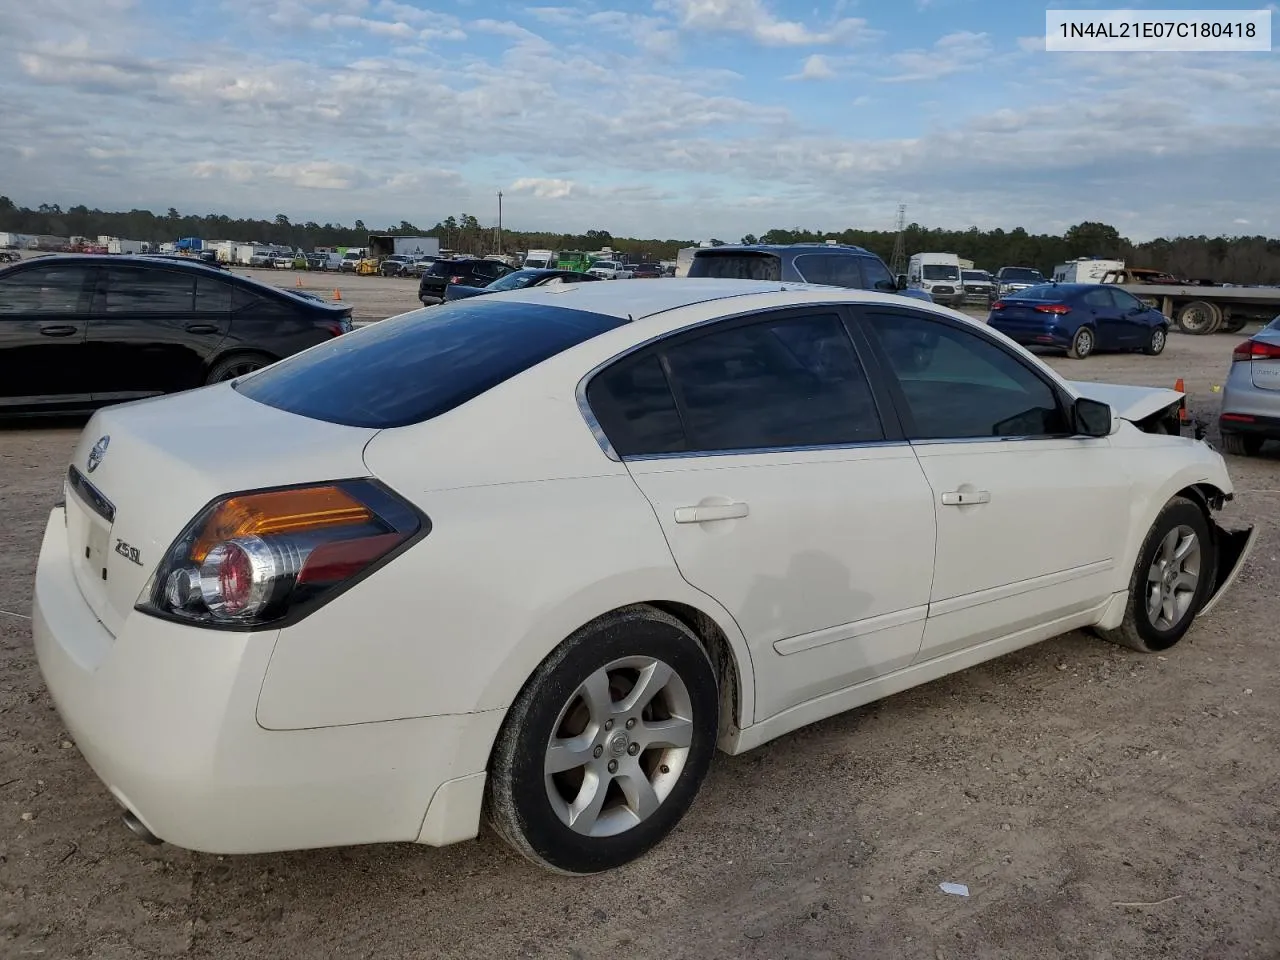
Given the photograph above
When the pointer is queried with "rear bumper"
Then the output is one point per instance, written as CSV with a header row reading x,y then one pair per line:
x,y
1032,337
1267,427
165,716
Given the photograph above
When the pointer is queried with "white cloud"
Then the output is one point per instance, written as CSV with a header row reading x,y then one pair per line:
x,y
543,188
1031,44
753,18
954,53
816,67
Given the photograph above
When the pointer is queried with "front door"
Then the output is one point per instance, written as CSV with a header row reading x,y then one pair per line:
x,y
44,309
782,495
1108,324
1030,519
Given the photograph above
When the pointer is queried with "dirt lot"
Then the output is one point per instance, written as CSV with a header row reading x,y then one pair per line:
x,y
1097,803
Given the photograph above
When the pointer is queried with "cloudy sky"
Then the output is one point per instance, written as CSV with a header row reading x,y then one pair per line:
x,y
666,118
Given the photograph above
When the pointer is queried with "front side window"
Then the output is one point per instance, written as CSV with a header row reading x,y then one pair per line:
x,y
137,291
832,269
52,289
876,275
959,385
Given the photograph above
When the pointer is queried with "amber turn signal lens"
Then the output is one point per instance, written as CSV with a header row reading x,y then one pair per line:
x,y
279,511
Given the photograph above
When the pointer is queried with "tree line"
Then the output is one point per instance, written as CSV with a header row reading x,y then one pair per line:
x,y
1222,259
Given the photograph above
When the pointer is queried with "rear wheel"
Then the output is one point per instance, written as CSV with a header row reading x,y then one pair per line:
x,y
1241,445
1171,580
605,748
1082,344
1156,342
1199,317
1233,322
236,366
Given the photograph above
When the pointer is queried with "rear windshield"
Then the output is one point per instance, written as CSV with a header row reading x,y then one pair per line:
x,y
1046,291
736,266
439,268
417,366
1021,275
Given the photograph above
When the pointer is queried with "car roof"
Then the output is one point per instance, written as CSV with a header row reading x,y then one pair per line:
x,y
780,248
636,299
158,259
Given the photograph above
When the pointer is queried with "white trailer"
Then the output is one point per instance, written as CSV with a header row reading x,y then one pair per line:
x,y
386,245
1085,270
121,246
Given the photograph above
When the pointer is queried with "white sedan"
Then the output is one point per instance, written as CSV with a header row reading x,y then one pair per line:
x,y
539,553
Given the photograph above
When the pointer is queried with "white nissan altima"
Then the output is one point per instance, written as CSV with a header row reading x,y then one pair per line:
x,y
538,554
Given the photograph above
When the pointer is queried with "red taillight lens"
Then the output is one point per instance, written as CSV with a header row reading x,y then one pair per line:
x,y
1255,350
1057,308
998,305
267,557
457,279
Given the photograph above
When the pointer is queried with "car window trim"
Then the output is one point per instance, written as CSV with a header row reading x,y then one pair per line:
x,y
84,300
899,400
890,426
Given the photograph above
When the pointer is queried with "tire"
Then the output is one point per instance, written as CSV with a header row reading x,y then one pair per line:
x,y
1241,445
1149,632
1156,342
1082,344
1199,317
1233,323
648,791
236,366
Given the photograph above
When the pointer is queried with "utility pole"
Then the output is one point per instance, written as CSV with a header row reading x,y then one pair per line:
x,y
499,221
898,262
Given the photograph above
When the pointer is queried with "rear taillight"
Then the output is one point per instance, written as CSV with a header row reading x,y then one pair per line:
x,y
271,556
337,328
1056,308
457,279
998,305
1255,350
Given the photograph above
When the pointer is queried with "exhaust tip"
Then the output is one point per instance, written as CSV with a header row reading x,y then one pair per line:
x,y
139,828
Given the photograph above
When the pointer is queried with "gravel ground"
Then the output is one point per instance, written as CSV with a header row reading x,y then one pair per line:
x,y
1097,803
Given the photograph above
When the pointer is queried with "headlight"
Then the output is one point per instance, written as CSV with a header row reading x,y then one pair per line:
x,y
269,557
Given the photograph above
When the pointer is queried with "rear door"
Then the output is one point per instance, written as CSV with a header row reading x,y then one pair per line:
x,y
1031,519
44,313
783,495
153,329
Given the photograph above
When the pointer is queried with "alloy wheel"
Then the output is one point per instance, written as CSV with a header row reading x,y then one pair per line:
x,y
618,746
1173,578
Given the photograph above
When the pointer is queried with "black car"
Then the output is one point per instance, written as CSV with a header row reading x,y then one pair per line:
x,y
836,265
516,281
467,271
79,331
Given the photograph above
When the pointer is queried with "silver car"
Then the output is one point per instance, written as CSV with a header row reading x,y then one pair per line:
x,y
1251,396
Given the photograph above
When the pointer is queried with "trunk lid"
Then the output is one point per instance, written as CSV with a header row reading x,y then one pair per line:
x,y
1265,371
163,460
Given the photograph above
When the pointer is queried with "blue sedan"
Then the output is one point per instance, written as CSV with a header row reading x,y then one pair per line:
x,y
1080,318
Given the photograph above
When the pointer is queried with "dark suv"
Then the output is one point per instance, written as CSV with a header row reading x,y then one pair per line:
x,y
469,272
81,331
835,265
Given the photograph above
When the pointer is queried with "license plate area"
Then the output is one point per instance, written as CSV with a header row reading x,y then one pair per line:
x,y
89,542
1266,374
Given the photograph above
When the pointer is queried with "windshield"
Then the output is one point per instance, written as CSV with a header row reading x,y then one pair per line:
x,y
976,275
514,281
604,265
1021,275
421,364
940,271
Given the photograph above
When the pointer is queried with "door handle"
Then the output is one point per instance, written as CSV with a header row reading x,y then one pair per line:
x,y
705,512
57,330
201,328
965,498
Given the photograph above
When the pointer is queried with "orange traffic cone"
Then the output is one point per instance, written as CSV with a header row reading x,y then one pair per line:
x,y
1181,388
337,294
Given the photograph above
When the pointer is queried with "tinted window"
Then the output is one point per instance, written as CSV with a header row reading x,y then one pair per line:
x,y
790,382
421,364
633,405
1127,301
834,269
212,296
441,268
149,291
736,266
1099,299
876,275
940,271
1046,292
958,384
1020,275
44,290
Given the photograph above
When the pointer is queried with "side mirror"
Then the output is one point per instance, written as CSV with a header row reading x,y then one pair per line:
x,y
900,282
1093,418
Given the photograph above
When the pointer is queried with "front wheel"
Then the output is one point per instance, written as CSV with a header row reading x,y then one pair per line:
x,y
604,750
1171,580
1082,344
1156,342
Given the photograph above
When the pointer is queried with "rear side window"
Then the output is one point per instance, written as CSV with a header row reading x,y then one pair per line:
x,y
736,266
140,291
422,364
635,408
212,296
1099,298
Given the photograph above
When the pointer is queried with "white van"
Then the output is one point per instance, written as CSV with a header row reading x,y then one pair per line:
x,y
540,260
937,274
